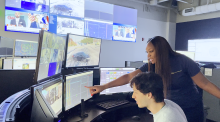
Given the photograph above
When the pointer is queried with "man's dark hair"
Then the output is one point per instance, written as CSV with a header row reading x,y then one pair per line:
x,y
149,82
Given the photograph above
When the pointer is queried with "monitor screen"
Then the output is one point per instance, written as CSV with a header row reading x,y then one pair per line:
x,y
26,48
1,63
75,90
82,51
24,63
51,55
191,55
206,50
6,47
26,15
7,64
81,17
109,74
53,95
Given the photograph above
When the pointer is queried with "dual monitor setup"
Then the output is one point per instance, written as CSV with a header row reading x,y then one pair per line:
x,y
54,94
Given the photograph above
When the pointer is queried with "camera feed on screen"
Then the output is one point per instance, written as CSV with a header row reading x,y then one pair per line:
x,y
81,17
52,55
73,8
82,51
26,48
6,47
53,96
66,25
75,88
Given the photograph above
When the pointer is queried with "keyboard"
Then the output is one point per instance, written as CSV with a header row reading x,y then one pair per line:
x,y
111,104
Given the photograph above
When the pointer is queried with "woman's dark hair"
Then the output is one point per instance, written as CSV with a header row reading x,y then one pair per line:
x,y
149,82
162,66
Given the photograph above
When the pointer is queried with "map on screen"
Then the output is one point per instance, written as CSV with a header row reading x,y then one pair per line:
x,y
26,48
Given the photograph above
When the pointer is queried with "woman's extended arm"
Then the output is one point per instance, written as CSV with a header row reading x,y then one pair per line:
x,y
117,82
206,85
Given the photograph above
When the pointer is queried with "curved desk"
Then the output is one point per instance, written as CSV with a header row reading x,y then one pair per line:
x,y
119,114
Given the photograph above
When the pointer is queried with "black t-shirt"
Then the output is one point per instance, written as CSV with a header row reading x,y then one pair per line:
x,y
182,90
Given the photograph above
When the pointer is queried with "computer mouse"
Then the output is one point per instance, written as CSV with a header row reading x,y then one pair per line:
x,y
137,118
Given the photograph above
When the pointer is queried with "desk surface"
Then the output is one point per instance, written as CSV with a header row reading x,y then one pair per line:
x,y
118,114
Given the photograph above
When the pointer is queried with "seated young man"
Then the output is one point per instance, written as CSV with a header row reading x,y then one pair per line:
x,y
148,92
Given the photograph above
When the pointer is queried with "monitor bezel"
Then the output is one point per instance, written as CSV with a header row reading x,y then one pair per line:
x,y
91,66
113,67
46,84
64,89
40,41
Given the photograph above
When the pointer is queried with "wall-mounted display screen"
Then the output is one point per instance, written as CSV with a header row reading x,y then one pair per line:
x,y
82,17
206,50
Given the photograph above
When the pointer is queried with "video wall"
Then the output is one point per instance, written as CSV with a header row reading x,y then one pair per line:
x,y
81,17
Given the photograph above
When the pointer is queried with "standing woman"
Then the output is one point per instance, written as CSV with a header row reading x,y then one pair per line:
x,y
179,74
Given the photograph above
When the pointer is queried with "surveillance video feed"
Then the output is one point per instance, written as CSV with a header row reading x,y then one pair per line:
x,y
52,55
82,51
66,25
53,96
67,7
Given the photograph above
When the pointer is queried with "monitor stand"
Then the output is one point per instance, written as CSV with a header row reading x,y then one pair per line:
x,y
83,115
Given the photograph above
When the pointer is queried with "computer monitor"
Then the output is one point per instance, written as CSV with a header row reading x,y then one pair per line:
x,y
7,63
109,74
82,51
206,50
47,103
188,54
1,63
6,47
50,56
75,90
26,48
28,63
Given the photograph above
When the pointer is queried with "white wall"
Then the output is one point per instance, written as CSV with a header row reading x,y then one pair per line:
x,y
152,21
